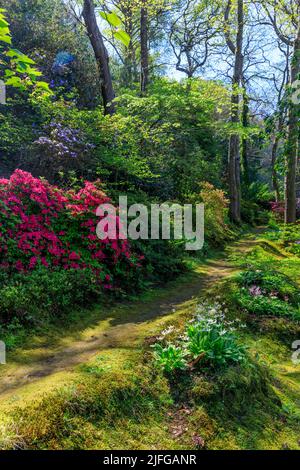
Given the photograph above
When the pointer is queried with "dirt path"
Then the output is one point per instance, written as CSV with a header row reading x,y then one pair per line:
x,y
46,364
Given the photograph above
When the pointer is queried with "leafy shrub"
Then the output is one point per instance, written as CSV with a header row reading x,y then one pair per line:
x,y
289,236
278,209
215,213
43,294
164,259
165,142
259,193
252,213
60,148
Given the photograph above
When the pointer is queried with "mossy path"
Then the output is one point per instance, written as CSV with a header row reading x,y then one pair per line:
x,y
52,360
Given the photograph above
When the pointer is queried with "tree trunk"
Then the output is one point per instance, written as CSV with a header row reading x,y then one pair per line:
x,y
245,148
144,50
275,182
234,163
292,141
275,145
101,56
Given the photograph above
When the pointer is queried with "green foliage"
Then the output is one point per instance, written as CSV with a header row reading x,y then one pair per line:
x,y
271,282
215,214
255,203
217,344
209,341
170,357
212,337
166,142
268,287
287,235
16,68
266,306
117,27
164,259
45,294
42,29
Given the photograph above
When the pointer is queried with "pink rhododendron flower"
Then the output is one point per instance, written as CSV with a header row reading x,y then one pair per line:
x,y
56,228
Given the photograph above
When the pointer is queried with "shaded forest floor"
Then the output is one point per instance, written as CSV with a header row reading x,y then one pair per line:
x,y
92,385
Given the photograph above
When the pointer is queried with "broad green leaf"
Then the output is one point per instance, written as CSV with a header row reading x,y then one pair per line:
x,y
111,18
14,53
21,68
4,31
5,38
3,22
122,36
15,82
43,86
34,72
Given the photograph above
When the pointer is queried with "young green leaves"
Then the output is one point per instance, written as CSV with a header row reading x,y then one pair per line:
x,y
117,26
16,69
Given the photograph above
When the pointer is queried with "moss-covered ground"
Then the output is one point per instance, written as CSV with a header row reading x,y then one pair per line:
x,y
92,384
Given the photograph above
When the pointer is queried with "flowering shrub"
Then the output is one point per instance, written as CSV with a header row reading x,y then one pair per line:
x,y
278,209
42,225
60,149
62,142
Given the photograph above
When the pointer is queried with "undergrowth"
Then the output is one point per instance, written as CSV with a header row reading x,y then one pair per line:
x,y
138,403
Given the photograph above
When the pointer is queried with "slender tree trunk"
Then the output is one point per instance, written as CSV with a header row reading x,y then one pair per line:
x,y
245,147
144,50
275,182
101,56
292,147
275,145
234,164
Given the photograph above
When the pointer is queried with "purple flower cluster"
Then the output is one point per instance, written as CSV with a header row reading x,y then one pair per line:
x,y
255,291
63,141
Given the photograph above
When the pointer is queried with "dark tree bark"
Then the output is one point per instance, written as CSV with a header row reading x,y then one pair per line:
x,y
144,50
234,164
101,56
292,147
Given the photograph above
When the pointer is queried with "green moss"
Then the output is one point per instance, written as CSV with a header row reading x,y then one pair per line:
x,y
113,398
